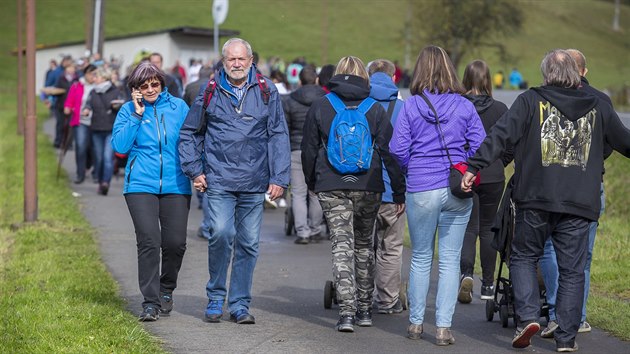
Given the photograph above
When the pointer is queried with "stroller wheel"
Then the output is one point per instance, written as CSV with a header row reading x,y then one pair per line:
x,y
504,315
329,291
490,310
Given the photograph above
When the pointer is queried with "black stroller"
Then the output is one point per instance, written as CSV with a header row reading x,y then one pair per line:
x,y
503,228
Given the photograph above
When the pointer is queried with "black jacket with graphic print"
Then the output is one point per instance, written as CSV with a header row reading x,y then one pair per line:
x,y
558,136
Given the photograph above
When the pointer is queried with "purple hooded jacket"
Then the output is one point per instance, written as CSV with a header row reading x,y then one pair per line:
x,y
416,143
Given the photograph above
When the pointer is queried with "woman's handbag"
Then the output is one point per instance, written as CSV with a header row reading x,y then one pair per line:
x,y
456,170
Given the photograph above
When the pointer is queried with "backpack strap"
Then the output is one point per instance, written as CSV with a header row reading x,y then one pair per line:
x,y
207,96
365,106
336,102
264,88
390,109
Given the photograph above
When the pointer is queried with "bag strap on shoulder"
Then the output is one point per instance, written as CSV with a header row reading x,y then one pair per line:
x,y
264,88
207,93
390,109
336,102
437,120
365,106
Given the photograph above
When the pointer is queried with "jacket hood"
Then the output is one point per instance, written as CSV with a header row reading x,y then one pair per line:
x,y
382,87
306,95
445,104
572,103
481,102
349,87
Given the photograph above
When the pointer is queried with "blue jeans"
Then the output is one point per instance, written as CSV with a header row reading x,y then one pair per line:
x,y
234,220
427,212
82,138
569,234
205,221
549,265
103,155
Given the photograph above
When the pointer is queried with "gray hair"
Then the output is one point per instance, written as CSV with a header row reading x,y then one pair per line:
x,y
237,40
559,69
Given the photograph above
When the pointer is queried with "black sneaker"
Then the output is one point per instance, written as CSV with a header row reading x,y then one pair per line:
x,y
149,314
364,318
166,300
465,289
487,292
242,316
345,323
302,241
567,348
523,337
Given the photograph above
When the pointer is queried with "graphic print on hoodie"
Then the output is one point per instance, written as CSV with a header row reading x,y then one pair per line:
x,y
563,141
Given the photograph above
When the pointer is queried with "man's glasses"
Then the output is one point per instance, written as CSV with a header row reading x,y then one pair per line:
x,y
154,84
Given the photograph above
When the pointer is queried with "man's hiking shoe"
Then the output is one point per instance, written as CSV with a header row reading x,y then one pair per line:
x,y
214,311
149,314
414,331
465,289
444,336
397,308
364,318
551,327
345,323
302,241
584,327
487,292
242,316
522,338
166,300
567,348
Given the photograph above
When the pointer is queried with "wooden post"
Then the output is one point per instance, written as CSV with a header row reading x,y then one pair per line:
x,y
30,132
20,68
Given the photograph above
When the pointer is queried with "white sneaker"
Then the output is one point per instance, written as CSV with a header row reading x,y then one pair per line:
x,y
282,203
584,327
270,203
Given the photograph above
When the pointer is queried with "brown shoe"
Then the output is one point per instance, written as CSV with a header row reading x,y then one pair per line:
x,y
444,336
414,331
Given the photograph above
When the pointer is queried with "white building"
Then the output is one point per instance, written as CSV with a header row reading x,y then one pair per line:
x,y
181,43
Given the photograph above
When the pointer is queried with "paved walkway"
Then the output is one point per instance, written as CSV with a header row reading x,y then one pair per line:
x,y
287,296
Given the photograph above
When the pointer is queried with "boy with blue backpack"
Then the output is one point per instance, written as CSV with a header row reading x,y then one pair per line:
x,y
345,144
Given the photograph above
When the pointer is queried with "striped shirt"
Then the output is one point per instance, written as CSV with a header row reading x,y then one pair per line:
x,y
238,91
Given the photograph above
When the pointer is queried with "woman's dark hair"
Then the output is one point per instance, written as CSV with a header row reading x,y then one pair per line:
x,y
434,72
477,78
89,69
325,74
143,72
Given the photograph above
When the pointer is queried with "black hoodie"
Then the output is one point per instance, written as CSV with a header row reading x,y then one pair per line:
x,y
295,108
490,111
558,136
319,174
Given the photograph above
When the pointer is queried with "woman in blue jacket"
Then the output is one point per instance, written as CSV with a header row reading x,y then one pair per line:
x,y
156,190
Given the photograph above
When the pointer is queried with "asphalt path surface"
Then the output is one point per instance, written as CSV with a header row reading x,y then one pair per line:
x,y
288,296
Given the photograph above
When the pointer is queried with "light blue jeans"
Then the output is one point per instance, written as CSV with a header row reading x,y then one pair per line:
x,y
103,155
234,223
549,265
428,212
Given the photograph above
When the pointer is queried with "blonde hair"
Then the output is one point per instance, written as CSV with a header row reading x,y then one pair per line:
x,y
434,72
104,73
352,66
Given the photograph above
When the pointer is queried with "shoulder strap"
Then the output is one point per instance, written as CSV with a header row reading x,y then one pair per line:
x,y
390,109
208,92
336,102
365,106
437,120
264,88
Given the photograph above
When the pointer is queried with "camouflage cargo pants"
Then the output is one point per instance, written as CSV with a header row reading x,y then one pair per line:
x,y
350,216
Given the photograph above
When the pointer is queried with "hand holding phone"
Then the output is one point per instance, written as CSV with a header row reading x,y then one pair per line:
x,y
136,96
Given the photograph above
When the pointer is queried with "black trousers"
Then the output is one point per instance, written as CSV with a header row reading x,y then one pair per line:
x,y
485,203
160,222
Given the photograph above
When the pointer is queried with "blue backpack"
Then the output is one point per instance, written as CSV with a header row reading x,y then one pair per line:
x,y
350,145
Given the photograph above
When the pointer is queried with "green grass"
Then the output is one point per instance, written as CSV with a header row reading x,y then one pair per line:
x,y
57,295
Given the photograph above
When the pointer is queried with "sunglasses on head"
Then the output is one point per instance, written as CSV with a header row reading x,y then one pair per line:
x,y
154,84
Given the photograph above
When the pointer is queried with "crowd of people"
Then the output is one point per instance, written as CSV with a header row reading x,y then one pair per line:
x,y
244,139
